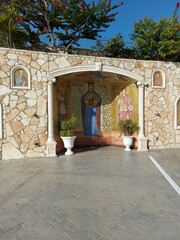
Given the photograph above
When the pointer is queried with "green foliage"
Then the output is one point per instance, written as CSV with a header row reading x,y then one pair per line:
x,y
64,21
128,127
115,46
12,28
159,41
99,46
9,32
68,126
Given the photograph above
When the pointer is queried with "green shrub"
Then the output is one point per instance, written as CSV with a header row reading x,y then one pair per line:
x,y
68,126
128,127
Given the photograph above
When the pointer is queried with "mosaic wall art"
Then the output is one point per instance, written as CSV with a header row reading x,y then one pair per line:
x,y
98,100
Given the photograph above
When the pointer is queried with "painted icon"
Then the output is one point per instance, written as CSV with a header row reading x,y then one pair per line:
x,y
20,78
91,110
63,102
124,107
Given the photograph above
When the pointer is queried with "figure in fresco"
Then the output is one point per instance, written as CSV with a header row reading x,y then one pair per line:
x,y
91,107
124,107
157,79
21,79
63,104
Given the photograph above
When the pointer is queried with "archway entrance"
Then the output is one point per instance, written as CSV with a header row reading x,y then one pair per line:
x,y
106,95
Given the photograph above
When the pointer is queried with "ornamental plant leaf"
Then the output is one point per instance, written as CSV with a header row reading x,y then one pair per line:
x,y
63,21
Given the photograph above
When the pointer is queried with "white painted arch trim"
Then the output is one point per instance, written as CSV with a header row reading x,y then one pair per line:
x,y
176,113
96,67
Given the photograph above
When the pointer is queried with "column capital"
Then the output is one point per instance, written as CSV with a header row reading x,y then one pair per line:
x,y
142,84
51,80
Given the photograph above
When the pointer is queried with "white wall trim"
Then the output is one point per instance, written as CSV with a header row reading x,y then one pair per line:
x,y
104,68
176,113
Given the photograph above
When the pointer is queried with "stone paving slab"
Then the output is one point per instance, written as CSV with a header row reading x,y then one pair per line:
x,y
96,194
170,161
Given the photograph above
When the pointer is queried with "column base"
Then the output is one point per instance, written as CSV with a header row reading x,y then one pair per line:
x,y
142,143
51,149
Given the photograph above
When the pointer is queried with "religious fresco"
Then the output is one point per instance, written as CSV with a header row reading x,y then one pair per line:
x,y
62,106
20,78
98,100
124,107
62,102
91,111
158,80
125,103
79,87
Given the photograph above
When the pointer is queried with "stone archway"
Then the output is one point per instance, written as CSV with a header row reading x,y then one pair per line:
x,y
98,66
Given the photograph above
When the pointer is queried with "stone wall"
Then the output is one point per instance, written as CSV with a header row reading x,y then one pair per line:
x,y
160,109
25,110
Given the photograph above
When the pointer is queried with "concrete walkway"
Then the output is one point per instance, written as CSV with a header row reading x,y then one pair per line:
x,y
96,194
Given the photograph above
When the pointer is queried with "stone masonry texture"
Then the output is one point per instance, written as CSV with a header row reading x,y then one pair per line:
x,y
24,111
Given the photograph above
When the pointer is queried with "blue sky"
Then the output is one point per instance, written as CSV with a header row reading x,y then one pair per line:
x,y
132,10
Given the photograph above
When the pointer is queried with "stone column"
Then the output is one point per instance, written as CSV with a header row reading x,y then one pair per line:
x,y
51,143
142,139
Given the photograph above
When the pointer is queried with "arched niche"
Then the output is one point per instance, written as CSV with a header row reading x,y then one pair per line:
x,y
158,79
177,113
98,66
20,78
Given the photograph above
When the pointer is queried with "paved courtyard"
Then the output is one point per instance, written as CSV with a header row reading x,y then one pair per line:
x,y
96,194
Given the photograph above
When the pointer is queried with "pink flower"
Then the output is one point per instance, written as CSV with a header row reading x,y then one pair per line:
x,y
121,3
63,5
55,4
21,19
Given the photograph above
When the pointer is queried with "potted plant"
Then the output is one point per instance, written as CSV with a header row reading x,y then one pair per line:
x,y
128,127
67,133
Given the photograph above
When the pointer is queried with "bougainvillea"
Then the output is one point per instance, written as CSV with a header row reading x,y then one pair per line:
x,y
64,21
